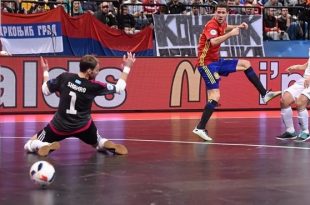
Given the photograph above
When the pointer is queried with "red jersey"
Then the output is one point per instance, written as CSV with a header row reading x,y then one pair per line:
x,y
206,52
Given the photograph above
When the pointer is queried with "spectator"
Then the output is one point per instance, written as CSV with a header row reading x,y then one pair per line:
x,y
303,16
285,23
141,22
258,6
24,7
176,7
248,9
148,9
7,7
89,6
76,8
271,29
195,10
62,3
105,16
232,9
239,4
126,21
274,3
135,9
210,4
37,8
198,4
162,10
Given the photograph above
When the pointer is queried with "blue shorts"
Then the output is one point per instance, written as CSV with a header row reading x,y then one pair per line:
x,y
211,73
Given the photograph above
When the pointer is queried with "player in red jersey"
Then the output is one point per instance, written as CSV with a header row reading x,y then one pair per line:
x,y
73,118
211,66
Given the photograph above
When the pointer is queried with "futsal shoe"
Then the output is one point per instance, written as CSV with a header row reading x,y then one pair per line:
x,y
287,136
202,133
115,148
302,137
46,149
270,95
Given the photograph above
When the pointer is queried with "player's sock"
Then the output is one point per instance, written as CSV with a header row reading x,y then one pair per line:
x,y
34,145
287,117
100,141
303,120
253,78
207,112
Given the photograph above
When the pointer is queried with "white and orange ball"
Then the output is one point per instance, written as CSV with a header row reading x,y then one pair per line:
x,y
42,173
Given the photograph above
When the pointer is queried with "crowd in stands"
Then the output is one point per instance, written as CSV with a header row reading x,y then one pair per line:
x,y
282,19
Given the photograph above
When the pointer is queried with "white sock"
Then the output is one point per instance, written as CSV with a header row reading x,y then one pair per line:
x,y
34,145
287,118
303,120
100,141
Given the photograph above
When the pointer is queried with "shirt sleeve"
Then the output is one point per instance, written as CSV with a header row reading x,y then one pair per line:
x,y
211,31
54,84
104,88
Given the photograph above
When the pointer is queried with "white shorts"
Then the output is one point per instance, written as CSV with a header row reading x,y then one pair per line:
x,y
298,88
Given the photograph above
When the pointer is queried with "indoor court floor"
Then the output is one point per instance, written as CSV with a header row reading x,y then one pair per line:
x,y
166,164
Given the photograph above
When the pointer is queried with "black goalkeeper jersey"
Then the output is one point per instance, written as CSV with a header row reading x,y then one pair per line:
x,y
76,97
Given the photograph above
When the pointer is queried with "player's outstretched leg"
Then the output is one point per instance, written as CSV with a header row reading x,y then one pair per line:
x,y
41,148
253,78
105,144
271,95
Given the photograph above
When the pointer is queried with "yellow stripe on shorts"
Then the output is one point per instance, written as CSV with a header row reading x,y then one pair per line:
x,y
210,76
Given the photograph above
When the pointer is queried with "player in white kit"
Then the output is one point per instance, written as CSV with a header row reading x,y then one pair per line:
x,y
298,93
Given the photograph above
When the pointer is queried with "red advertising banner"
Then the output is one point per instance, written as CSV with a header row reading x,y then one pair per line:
x,y
154,84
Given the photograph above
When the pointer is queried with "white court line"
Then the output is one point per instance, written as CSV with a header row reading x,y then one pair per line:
x,y
216,143
191,142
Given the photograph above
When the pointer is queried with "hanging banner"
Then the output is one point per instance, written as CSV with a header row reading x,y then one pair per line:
x,y
56,32
178,35
33,34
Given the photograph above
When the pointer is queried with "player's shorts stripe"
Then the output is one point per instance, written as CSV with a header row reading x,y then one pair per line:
x,y
210,76
42,135
98,136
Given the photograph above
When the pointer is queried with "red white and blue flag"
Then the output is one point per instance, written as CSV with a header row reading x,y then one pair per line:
x,y
56,32
31,34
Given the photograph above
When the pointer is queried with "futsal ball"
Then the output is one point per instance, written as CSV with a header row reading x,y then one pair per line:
x,y
42,173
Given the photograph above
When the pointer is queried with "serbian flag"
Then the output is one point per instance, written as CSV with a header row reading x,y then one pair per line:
x,y
32,33
85,34
57,32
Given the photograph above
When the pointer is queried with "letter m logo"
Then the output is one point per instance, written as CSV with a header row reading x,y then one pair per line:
x,y
191,84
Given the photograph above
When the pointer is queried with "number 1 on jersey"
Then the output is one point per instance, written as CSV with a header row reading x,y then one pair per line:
x,y
72,109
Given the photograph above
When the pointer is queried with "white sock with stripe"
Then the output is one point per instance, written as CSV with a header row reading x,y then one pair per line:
x,y
303,120
34,145
287,118
100,141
